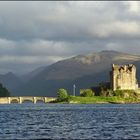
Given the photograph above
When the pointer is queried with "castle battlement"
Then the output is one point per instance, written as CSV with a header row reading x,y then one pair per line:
x,y
123,77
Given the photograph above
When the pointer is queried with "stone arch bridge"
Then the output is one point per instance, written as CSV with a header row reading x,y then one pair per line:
x,y
20,100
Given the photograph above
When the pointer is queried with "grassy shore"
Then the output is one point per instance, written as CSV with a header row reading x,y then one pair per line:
x,y
100,99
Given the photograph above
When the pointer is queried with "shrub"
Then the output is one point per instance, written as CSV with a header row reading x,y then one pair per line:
x,y
119,93
103,93
87,93
109,93
104,90
106,93
62,95
125,93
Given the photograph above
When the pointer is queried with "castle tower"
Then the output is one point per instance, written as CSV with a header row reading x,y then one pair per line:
x,y
123,77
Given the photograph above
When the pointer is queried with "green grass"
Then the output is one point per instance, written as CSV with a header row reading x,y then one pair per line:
x,y
101,99
119,96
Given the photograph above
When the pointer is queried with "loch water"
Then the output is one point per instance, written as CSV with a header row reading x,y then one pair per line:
x,y
69,121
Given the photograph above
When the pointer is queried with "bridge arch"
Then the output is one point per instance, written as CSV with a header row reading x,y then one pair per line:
x,y
14,101
42,99
27,100
39,100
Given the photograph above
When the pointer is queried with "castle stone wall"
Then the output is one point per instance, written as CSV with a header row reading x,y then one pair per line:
x,y
123,77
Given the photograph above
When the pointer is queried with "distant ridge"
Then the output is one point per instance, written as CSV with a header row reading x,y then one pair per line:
x,y
10,81
84,71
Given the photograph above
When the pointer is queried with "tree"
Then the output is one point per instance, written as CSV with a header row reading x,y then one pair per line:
x,y
109,92
3,91
87,93
62,95
103,89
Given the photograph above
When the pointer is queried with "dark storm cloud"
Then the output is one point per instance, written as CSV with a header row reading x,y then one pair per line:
x,y
33,34
60,21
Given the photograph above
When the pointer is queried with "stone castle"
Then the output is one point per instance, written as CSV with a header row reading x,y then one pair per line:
x,y
123,77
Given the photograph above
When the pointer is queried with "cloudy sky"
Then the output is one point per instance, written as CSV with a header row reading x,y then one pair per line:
x,y
34,34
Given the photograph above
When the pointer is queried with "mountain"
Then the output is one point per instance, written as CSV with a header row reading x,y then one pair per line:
x,y
10,81
83,70
30,75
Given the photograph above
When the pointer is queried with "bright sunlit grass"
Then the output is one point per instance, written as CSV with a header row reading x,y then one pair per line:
x,y
101,99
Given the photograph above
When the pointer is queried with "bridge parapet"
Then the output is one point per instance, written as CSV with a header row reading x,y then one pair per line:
x,y
20,100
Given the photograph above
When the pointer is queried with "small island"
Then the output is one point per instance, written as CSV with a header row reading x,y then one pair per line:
x,y
122,88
